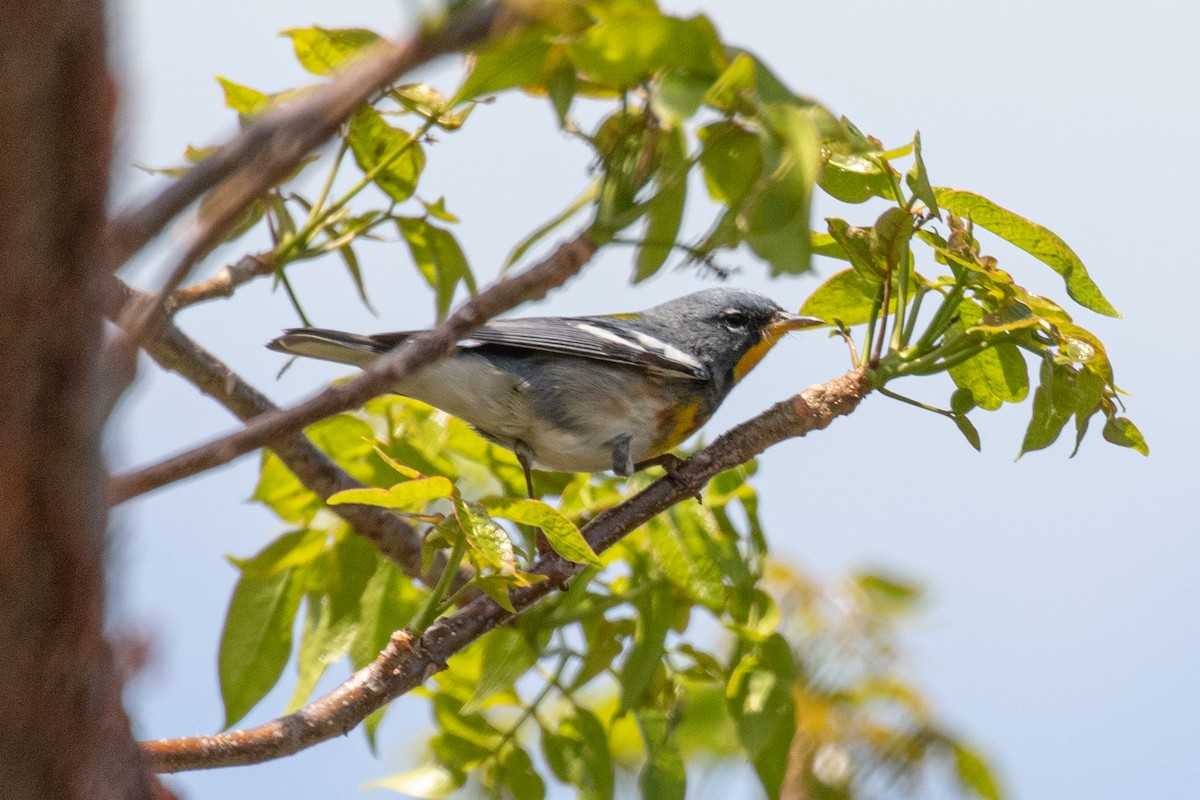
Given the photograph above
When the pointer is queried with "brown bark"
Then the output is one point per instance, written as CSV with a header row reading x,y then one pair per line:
x,y
63,732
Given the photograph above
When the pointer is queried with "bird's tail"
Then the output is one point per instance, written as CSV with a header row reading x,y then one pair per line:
x,y
327,345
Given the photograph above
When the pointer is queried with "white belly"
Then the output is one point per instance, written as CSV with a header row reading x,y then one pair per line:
x,y
570,427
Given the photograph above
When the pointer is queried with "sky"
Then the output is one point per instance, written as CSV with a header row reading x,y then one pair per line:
x,y
1062,622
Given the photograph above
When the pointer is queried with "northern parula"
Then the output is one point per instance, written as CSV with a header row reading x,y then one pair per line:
x,y
585,394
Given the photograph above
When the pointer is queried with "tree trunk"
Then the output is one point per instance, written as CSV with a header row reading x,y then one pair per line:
x,y
63,732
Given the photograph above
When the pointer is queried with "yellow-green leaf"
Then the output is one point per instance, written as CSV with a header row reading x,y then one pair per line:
x,y
562,534
323,51
514,60
439,258
622,51
407,496
242,99
1039,242
845,296
488,543
1123,432
392,156
664,213
256,640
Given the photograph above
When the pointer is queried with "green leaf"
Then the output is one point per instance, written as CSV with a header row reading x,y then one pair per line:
x,y
918,180
690,548
256,640
856,244
622,51
245,101
408,496
488,543
388,601
664,213
729,91
845,297
350,259
437,209
293,549
507,655
432,106
890,236
962,401
514,60
578,754
439,258
645,656
605,640
974,775
323,51
759,698
430,782
663,777
496,587
392,155
516,772
998,374
344,438
352,561
967,429
561,85
776,218
853,178
1054,402
731,159
677,95
887,592
562,534
1034,239
1123,432
324,640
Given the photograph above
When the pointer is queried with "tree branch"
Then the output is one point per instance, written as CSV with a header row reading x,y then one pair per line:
x,y
419,351
407,662
223,284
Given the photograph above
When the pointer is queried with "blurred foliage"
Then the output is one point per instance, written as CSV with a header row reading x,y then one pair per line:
x,y
684,645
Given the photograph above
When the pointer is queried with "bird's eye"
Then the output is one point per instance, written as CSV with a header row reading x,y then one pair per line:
x,y
735,320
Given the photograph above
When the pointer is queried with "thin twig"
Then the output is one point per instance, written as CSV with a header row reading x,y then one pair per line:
x,y
223,284
275,143
407,662
418,351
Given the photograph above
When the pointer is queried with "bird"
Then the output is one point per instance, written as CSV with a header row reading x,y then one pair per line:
x,y
589,393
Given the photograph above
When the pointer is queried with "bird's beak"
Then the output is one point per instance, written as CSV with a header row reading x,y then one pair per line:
x,y
785,322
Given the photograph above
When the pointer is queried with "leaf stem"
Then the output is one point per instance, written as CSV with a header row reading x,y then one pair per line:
x,y
873,322
917,403
914,313
432,608
905,266
941,318
941,359
885,304
318,206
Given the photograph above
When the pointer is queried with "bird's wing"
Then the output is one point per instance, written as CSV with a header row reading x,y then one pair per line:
x,y
585,337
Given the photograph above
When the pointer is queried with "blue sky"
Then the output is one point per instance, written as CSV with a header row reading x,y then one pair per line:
x,y
1063,620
